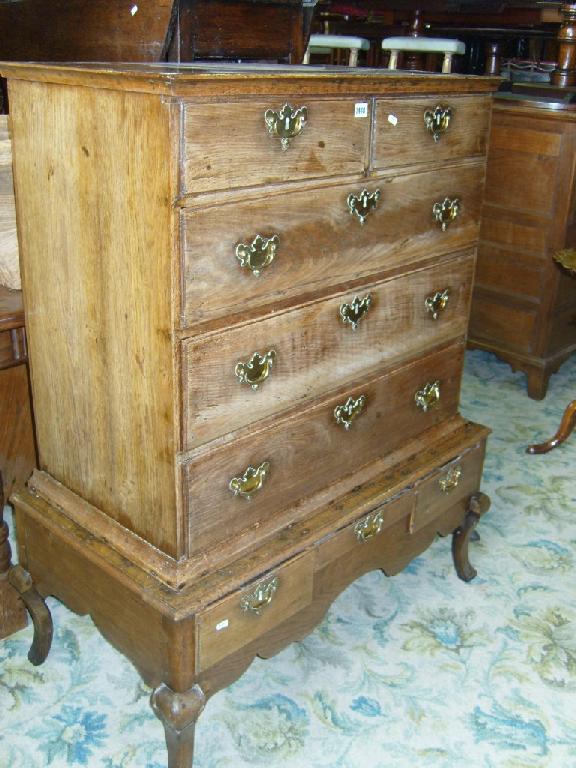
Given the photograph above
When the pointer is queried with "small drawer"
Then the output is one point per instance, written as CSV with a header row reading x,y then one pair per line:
x,y
310,241
403,138
234,378
255,156
259,479
246,615
452,484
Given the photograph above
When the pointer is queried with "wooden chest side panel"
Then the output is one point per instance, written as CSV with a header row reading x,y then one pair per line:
x,y
91,176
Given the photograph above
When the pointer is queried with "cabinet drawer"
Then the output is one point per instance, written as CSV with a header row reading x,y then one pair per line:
x,y
310,351
256,157
319,243
451,484
402,138
251,612
303,454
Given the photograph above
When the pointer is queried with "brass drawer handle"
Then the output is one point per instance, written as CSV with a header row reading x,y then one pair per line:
x,y
437,120
260,597
362,204
450,479
354,312
428,396
286,124
436,302
445,212
251,481
256,370
369,526
350,410
259,254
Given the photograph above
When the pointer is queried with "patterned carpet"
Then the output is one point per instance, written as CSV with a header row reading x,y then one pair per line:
x,y
418,671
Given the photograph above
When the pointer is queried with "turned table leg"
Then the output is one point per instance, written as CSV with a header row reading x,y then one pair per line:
x,y
178,713
12,610
564,430
478,504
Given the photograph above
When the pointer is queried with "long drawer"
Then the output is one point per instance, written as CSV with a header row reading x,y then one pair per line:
x,y
265,474
256,156
315,242
310,351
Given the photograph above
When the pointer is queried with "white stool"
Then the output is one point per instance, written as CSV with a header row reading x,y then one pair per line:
x,y
328,43
423,45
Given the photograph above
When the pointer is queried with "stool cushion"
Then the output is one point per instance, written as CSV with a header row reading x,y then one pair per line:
x,y
338,41
429,44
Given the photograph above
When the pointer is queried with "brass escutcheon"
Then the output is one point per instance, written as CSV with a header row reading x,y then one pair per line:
x,y
353,312
446,211
251,481
362,204
260,597
350,410
436,303
369,526
450,479
256,370
259,254
428,396
286,124
437,120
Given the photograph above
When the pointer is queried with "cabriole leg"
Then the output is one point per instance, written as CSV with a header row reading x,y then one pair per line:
x,y
178,713
478,504
38,610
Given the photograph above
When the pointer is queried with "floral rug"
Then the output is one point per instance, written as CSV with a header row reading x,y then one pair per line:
x,y
416,671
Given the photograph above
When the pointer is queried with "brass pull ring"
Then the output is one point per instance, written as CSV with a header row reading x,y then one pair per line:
x,y
436,303
445,212
437,120
353,312
260,597
286,124
256,370
450,479
428,397
370,526
350,410
251,481
259,254
361,205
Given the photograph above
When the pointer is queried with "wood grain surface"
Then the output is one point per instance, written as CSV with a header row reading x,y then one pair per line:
x,y
9,255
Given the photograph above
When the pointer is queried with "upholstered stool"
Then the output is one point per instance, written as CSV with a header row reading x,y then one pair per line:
x,y
446,46
326,44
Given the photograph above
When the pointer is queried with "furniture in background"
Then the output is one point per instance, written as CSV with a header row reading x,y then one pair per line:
x,y
419,45
233,431
332,45
524,303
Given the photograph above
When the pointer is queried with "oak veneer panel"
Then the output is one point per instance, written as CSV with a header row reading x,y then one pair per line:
x,y
97,287
311,451
9,255
315,351
514,326
256,157
500,269
401,137
399,231
501,227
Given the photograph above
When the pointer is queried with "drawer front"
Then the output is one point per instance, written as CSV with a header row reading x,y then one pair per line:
x,y
311,351
251,612
256,156
402,137
303,454
452,484
319,243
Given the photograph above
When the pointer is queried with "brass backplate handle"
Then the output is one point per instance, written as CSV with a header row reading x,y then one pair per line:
x,y
350,410
251,481
260,597
361,205
436,303
429,396
286,123
445,212
450,479
256,370
353,312
258,254
369,526
437,120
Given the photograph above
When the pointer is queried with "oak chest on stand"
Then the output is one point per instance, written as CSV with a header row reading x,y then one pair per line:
x,y
249,294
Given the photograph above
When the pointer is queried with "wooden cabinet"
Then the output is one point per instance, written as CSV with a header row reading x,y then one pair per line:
x,y
524,306
246,349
